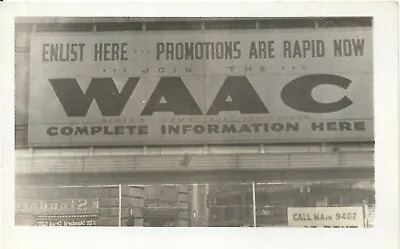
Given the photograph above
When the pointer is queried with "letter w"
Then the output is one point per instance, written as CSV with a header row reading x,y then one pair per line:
x,y
103,90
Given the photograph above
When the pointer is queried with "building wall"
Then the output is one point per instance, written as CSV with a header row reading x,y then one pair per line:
x,y
46,160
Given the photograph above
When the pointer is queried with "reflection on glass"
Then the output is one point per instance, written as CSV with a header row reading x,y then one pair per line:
x,y
272,200
228,204
165,205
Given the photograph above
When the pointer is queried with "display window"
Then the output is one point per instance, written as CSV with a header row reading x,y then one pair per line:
x,y
228,204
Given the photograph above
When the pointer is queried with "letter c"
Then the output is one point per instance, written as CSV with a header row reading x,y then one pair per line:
x,y
297,93
52,131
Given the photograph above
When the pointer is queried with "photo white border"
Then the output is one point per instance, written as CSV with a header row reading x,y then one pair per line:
x,y
383,235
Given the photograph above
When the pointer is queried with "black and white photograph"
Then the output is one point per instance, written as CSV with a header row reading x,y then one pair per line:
x,y
224,122
205,122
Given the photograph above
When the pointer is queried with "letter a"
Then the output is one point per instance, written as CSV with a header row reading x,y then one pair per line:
x,y
171,95
237,94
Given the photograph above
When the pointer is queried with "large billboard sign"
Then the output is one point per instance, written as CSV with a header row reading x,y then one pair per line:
x,y
201,87
327,217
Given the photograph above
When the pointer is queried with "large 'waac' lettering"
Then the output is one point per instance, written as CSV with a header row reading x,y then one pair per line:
x,y
237,94
171,95
103,90
297,93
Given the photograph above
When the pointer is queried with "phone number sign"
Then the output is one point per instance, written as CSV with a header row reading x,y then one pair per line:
x,y
328,217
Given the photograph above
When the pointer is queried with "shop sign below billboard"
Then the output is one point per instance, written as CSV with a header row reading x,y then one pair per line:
x,y
67,221
60,206
327,217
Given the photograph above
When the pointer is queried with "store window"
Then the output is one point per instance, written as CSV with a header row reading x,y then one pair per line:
x,y
67,206
182,205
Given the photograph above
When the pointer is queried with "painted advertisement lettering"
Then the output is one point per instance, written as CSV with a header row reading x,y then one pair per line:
x,y
171,95
297,94
103,90
191,87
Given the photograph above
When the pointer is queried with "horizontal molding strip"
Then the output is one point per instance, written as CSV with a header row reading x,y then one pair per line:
x,y
140,163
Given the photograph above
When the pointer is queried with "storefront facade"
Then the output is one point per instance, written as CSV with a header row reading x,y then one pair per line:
x,y
273,200
231,145
72,205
